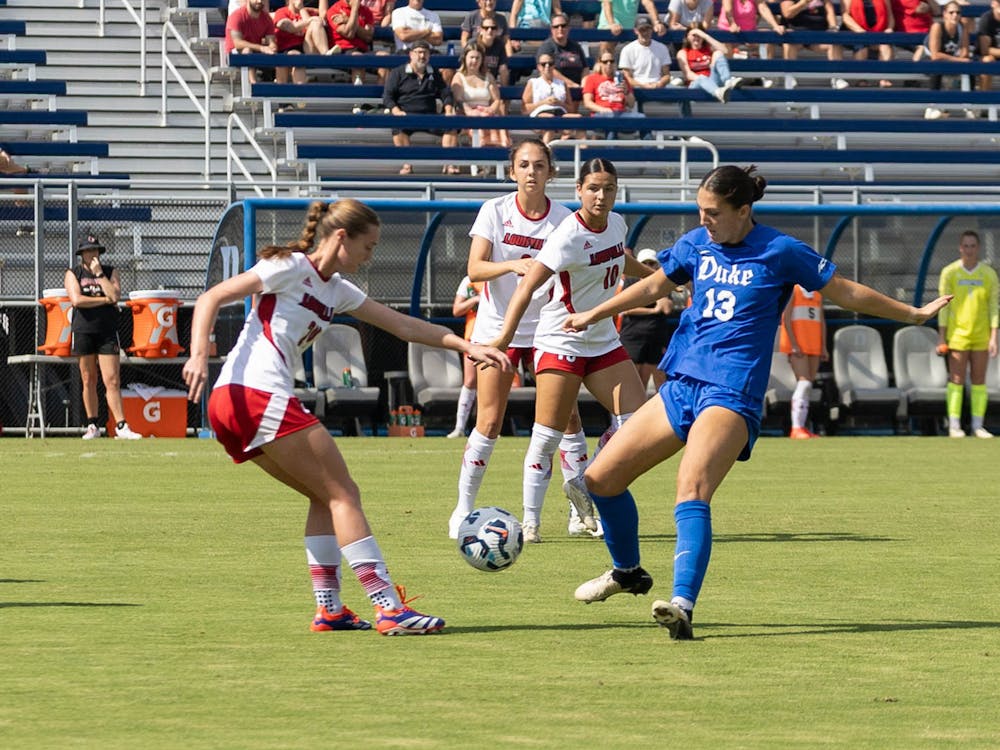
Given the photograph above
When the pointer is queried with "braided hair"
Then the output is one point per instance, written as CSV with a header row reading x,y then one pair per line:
x,y
353,216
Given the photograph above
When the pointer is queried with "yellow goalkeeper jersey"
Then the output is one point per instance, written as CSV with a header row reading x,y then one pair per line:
x,y
973,312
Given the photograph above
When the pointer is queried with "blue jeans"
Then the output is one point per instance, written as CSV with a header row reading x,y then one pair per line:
x,y
627,114
716,79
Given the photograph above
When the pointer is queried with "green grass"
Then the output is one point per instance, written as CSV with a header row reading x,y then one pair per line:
x,y
156,596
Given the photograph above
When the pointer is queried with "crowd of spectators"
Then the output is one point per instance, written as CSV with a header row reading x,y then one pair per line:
x,y
563,83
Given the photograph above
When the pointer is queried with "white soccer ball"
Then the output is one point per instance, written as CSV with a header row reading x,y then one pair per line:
x,y
490,539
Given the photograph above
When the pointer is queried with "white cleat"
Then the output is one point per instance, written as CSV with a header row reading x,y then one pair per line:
x,y
457,516
93,431
579,498
956,432
531,534
455,434
982,432
125,433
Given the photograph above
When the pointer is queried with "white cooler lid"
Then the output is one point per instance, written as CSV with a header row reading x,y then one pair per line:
x,y
171,294
46,293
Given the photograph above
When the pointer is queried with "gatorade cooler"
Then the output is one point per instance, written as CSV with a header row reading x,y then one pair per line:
x,y
154,412
154,323
58,315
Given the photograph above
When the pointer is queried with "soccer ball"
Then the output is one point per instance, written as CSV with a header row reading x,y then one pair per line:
x,y
490,539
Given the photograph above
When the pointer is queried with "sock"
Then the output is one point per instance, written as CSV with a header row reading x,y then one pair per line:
x,y
800,403
121,425
93,421
323,555
478,449
538,470
466,399
573,454
953,400
365,559
617,420
978,398
620,519
693,549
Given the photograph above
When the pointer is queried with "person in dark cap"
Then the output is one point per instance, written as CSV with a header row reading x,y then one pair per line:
x,y
94,290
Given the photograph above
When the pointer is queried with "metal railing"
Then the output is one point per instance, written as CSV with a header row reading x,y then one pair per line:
x,y
140,19
202,104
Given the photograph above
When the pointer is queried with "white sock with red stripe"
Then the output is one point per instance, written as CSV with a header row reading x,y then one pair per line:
x,y
365,559
573,455
538,470
323,555
800,403
478,449
466,399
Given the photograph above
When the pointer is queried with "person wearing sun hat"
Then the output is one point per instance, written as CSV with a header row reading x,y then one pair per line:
x,y
94,290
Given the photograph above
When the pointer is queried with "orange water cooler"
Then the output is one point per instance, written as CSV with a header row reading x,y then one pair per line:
x,y
154,412
154,323
58,317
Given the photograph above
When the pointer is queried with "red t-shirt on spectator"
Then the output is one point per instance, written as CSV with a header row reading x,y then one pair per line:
x,y
379,9
254,30
698,60
909,20
286,40
606,92
343,8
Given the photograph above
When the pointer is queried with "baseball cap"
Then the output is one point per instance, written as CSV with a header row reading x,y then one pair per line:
x,y
90,242
420,44
641,21
645,255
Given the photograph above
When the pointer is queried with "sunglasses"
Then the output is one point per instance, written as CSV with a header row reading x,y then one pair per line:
x,y
559,25
545,63
488,28
607,62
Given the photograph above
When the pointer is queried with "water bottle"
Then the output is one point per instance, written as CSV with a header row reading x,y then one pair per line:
x,y
346,378
619,78
416,417
451,49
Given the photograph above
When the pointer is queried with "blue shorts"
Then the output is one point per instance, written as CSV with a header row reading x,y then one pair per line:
x,y
685,398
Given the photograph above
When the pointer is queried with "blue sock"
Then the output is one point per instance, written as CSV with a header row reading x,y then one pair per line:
x,y
620,519
694,547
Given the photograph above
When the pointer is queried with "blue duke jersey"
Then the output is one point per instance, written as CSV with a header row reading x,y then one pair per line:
x,y
739,291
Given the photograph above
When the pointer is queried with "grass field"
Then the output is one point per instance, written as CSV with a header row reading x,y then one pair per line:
x,y
154,595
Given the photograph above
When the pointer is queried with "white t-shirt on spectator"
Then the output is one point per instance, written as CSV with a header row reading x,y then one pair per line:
x,y
412,18
646,63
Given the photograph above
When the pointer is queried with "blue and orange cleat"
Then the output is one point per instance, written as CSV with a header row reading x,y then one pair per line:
x,y
405,620
345,619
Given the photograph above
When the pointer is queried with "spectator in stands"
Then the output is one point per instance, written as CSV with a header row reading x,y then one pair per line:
x,y
988,40
494,51
298,30
415,89
475,93
547,96
352,29
645,62
745,15
618,15
948,40
570,60
606,93
251,29
914,16
811,15
533,14
967,332
94,290
413,22
861,16
486,11
10,167
683,14
381,11
704,65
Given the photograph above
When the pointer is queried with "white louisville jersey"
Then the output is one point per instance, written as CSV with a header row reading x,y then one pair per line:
x,y
513,236
296,304
587,267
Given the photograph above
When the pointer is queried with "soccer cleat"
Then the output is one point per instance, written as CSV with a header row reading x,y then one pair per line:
x,y
801,433
579,497
675,619
576,527
457,516
405,620
531,534
345,619
982,432
613,582
93,431
125,433
956,432
456,433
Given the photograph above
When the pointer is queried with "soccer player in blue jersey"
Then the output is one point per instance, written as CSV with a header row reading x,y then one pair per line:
x,y
717,365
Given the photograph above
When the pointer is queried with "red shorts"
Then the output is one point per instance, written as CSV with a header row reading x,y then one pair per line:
x,y
245,418
519,355
581,366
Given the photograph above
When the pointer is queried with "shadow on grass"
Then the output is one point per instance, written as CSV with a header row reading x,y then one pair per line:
x,y
579,626
860,628
775,536
21,580
4,605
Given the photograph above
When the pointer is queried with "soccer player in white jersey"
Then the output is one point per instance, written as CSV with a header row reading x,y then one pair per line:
x,y
506,236
256,417
717,366
586,256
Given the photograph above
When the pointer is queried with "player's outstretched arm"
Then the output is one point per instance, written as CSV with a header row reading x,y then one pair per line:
x,y
640,294
863,299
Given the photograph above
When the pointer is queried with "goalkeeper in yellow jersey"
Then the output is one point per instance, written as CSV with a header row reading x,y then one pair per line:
x,y
967,332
